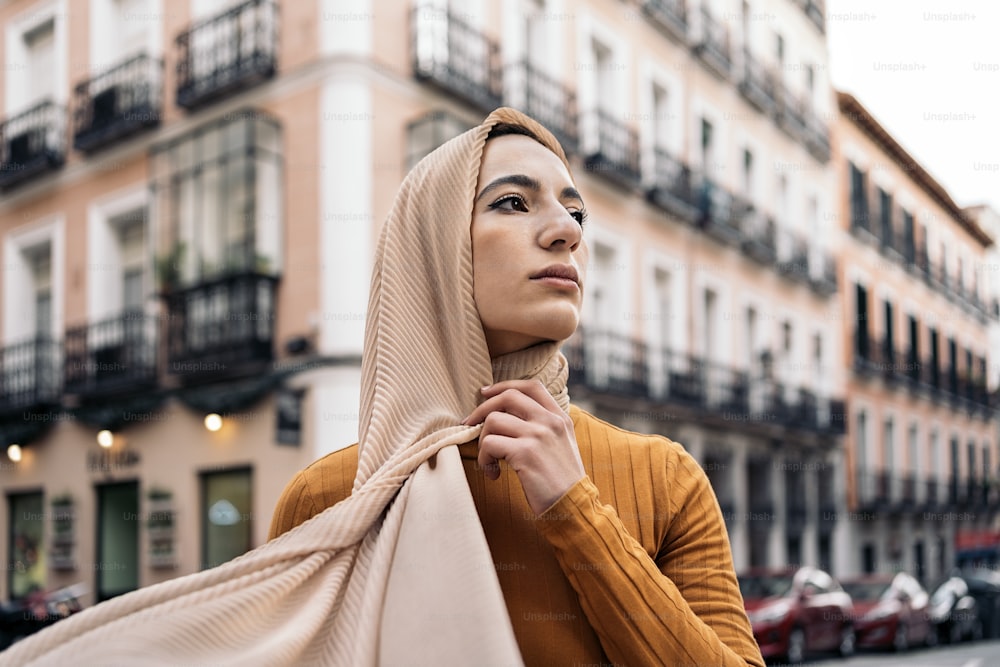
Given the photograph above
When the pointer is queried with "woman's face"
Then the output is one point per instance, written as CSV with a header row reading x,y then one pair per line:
x,y
529,258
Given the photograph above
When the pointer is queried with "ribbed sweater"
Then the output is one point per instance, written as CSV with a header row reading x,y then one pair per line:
x,y
632,566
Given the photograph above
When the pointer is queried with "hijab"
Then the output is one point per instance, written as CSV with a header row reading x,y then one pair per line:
x,y
399,572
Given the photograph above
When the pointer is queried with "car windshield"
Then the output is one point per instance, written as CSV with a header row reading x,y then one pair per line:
x,y
866,590
764,586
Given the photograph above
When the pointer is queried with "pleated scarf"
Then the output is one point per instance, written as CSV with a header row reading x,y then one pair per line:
x,y
399,573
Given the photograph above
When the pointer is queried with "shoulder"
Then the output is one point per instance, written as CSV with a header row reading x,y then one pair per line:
x,y
321,484
594,432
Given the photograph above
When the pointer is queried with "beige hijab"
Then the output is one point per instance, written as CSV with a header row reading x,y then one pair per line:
x,y
399,572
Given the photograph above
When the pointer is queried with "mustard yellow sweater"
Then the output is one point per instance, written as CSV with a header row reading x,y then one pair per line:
x,y
630,567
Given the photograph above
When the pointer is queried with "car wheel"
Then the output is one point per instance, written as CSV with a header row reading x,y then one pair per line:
x,y
847,642
901,642
796,651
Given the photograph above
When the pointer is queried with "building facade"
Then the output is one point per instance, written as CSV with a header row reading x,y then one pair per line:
x,y
922,436
191,201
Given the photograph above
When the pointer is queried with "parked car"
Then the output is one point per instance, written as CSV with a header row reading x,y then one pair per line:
x,y
797,611
954,612
890,611
38,610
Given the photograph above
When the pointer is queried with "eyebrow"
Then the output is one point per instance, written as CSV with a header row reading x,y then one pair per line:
x,y
528,182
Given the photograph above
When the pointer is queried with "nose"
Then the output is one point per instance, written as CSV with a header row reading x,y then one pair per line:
x,y
560,229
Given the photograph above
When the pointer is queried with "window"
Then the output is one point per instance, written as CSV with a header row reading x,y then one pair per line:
x,y
428,132
780,52
861,438
913,351
861,332
913,444
890,343
935,360
889,446
219,188
226,511
40,259
706,143
662,287
885,216
710,304
661,116
909,243
26,544
859,199
751,320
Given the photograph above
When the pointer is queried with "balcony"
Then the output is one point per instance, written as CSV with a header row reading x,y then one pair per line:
x,y
796,265
760,238
29,372
222,327
931,499
712,45
758,85
430,131
874,490
32,144
824,282
671,16
673,187
455,57
817,136
111,356
226,54
792,113
860,216
816,12
616,366
613,150
118,103
721,213
546,100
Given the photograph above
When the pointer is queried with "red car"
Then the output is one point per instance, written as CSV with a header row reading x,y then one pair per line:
x,y
890,611
795,612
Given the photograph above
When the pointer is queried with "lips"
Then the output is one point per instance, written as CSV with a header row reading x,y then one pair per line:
x,y
563,271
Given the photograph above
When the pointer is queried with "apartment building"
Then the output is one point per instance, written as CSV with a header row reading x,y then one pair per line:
x,y
191,194
922,435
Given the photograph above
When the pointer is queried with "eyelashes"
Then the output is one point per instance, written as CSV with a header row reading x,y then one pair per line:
x,y
515,202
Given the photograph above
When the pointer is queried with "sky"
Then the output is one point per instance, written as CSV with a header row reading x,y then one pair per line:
x,y
929,72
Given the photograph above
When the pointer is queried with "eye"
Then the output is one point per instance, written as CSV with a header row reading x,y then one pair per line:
x,y
511,202
580,216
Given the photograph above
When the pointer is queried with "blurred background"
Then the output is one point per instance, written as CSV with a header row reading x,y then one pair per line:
x,y
191,192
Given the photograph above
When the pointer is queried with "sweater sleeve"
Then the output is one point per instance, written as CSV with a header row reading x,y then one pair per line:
x,y
683,608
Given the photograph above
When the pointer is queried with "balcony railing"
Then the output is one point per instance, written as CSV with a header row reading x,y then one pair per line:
x,y
32,143
721,213
29,372
796,264
113,355
456,57
873,489
673,188
228,53
817,136
221,327
670,15
545,99
430,131
611,149
760,237
824,282
613,364
758,84
792,113
712,45
118,103
816,12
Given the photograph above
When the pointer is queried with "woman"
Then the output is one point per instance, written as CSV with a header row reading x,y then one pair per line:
x,y
543,536
609,546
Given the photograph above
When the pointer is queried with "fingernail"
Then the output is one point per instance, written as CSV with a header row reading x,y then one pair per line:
x,y
465,422
485,388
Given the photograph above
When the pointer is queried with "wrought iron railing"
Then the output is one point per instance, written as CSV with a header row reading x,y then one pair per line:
x,y
222,325
118,103
673,186
29,372
671,15
32,143
456,57
712,45
873,489
114,354
545,99
758,84
611,148
227,53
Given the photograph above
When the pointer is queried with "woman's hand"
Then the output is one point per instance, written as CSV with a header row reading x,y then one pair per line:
x,y
524,426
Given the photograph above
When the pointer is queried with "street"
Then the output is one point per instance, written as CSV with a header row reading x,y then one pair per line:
x,y
976,654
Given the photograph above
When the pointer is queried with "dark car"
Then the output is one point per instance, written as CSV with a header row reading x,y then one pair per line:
x,y
795,612
36,611
890,611
954,612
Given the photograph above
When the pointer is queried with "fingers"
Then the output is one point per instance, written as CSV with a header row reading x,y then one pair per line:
x,y
527,399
